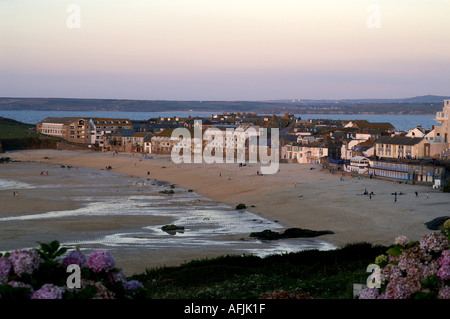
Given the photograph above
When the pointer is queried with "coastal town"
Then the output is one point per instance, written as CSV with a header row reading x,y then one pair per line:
x,y
359,147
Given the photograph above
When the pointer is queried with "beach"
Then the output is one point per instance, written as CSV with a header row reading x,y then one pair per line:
x,y
299,195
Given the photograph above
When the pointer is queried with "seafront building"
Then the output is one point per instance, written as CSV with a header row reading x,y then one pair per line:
x,y
439,136
358,147
72,129
103,126
402,147
310,153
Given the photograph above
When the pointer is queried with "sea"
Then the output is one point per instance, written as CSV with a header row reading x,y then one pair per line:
x,y
400,122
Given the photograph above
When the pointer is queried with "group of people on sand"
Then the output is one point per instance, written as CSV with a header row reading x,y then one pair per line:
x,y
366,193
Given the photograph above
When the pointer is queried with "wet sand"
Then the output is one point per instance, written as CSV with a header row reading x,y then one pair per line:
x,y
102,209
302,196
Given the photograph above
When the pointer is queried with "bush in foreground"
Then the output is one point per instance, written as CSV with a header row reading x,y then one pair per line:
x,y
43,274
413,270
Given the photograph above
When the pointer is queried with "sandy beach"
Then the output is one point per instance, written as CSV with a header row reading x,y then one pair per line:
x,y
304,196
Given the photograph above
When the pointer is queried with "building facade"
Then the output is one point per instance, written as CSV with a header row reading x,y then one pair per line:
x,y
439,136
100,127
76,130
402,147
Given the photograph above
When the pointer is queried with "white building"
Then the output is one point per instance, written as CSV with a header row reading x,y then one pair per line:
x,y
102,126
358,165
439,136
417,132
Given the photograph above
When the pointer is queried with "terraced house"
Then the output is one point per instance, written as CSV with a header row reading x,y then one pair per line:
x,y
311,153
103,126
402,147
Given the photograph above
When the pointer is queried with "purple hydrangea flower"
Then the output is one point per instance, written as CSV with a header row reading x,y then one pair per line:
x,y
75,257
5,269
100,260
118,276
24,261
133,285
19,284
48,291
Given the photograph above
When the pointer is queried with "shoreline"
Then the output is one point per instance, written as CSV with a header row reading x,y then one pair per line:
x,y
102,209
300,195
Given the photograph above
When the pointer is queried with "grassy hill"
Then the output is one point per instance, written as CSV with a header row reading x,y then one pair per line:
x,y
16,135
10,129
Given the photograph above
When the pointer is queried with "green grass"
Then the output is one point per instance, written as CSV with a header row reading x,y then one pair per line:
x,y
11,129
320,274
16,135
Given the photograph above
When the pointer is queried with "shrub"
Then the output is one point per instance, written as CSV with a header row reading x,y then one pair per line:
x,y
413,270
42,274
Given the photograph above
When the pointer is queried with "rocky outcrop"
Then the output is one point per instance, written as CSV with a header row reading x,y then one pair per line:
x,y
437,223
289,233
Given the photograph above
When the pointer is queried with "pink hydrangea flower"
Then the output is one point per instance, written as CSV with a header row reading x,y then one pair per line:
x,y
397,289
445,258
390,272
434,242
444,272
24,261
5,269
444,292
369,293
48,291
100,260
402,240
75,257
430,269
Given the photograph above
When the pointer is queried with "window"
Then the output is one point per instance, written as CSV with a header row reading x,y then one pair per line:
x,y
388,150
380,149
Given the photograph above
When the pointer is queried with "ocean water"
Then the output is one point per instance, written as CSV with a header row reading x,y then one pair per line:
x,y
125,214
400,122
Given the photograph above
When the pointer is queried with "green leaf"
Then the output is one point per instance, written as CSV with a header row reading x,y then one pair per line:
x,y
394,251
54,245
61,251
431,282
426,295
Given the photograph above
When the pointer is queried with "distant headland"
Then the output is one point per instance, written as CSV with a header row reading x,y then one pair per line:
x,y
420,105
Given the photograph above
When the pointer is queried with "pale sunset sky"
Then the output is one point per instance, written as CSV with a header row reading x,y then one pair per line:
x,y
224,49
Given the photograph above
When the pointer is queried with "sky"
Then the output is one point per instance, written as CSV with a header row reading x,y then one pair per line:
x,y
224,49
